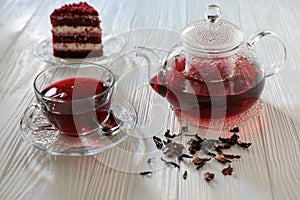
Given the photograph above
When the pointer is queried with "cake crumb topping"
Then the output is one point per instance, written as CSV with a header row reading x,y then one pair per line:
x,y
75,8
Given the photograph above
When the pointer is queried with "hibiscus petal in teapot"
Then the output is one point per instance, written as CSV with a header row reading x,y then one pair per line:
x,y
212,73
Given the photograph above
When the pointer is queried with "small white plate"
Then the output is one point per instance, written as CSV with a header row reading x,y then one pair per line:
x,y
112,46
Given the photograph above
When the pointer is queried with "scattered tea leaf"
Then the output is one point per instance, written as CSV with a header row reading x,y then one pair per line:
x,y
234,138
167,142
195,144
180,158
226,146
220,147
227,171
168,135
235,130
184,175
170,163
244,144
222,160
209,176
219,151
198,160
146,173
190,135
192,150
231,156
158,142
198,138
173,149
198,144
200,165
226,140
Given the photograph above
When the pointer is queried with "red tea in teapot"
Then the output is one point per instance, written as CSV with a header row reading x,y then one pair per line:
x,y
210,91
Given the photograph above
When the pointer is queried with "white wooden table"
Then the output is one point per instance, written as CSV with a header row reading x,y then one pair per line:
x,y
268,170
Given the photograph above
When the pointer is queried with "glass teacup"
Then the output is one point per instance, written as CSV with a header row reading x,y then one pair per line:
x,y
75,98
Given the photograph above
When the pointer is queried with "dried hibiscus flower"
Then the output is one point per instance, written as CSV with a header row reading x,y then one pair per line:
x,y
220,147
198,144
168,135
170,163
195,144
180,158
173,149
199,162
167,142
226,140
192,151
230,156
235,130
198,138
146,173
222,160
232,140
184,175
158,142
244,144
200,165
227,171
209,176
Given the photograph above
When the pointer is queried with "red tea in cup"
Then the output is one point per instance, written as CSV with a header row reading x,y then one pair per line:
x,y
76,101
77,111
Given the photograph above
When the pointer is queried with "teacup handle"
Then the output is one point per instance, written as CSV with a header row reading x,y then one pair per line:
x,y
275,67
30,118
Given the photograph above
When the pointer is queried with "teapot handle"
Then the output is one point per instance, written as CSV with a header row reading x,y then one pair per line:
x,y
151,58
275,67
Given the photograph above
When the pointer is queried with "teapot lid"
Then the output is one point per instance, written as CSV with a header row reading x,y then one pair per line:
x,y
212,34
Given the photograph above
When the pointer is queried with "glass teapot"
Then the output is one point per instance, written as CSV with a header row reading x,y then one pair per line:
x,y
212,73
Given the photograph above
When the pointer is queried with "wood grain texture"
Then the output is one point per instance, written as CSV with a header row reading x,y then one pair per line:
x,y
268,170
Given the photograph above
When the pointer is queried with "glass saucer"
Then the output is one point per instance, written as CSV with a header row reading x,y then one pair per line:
x,y
48,139
112,46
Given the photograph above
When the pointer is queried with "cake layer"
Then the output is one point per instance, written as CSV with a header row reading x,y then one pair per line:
x,y
81,8
78,54
70,30
76,31
76,46
95,39
75,20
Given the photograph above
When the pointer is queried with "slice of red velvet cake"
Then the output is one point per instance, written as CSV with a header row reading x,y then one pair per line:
x,y
76,31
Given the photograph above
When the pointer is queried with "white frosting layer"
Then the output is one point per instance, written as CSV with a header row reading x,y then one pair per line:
x,y
74,16
76,46
63,30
